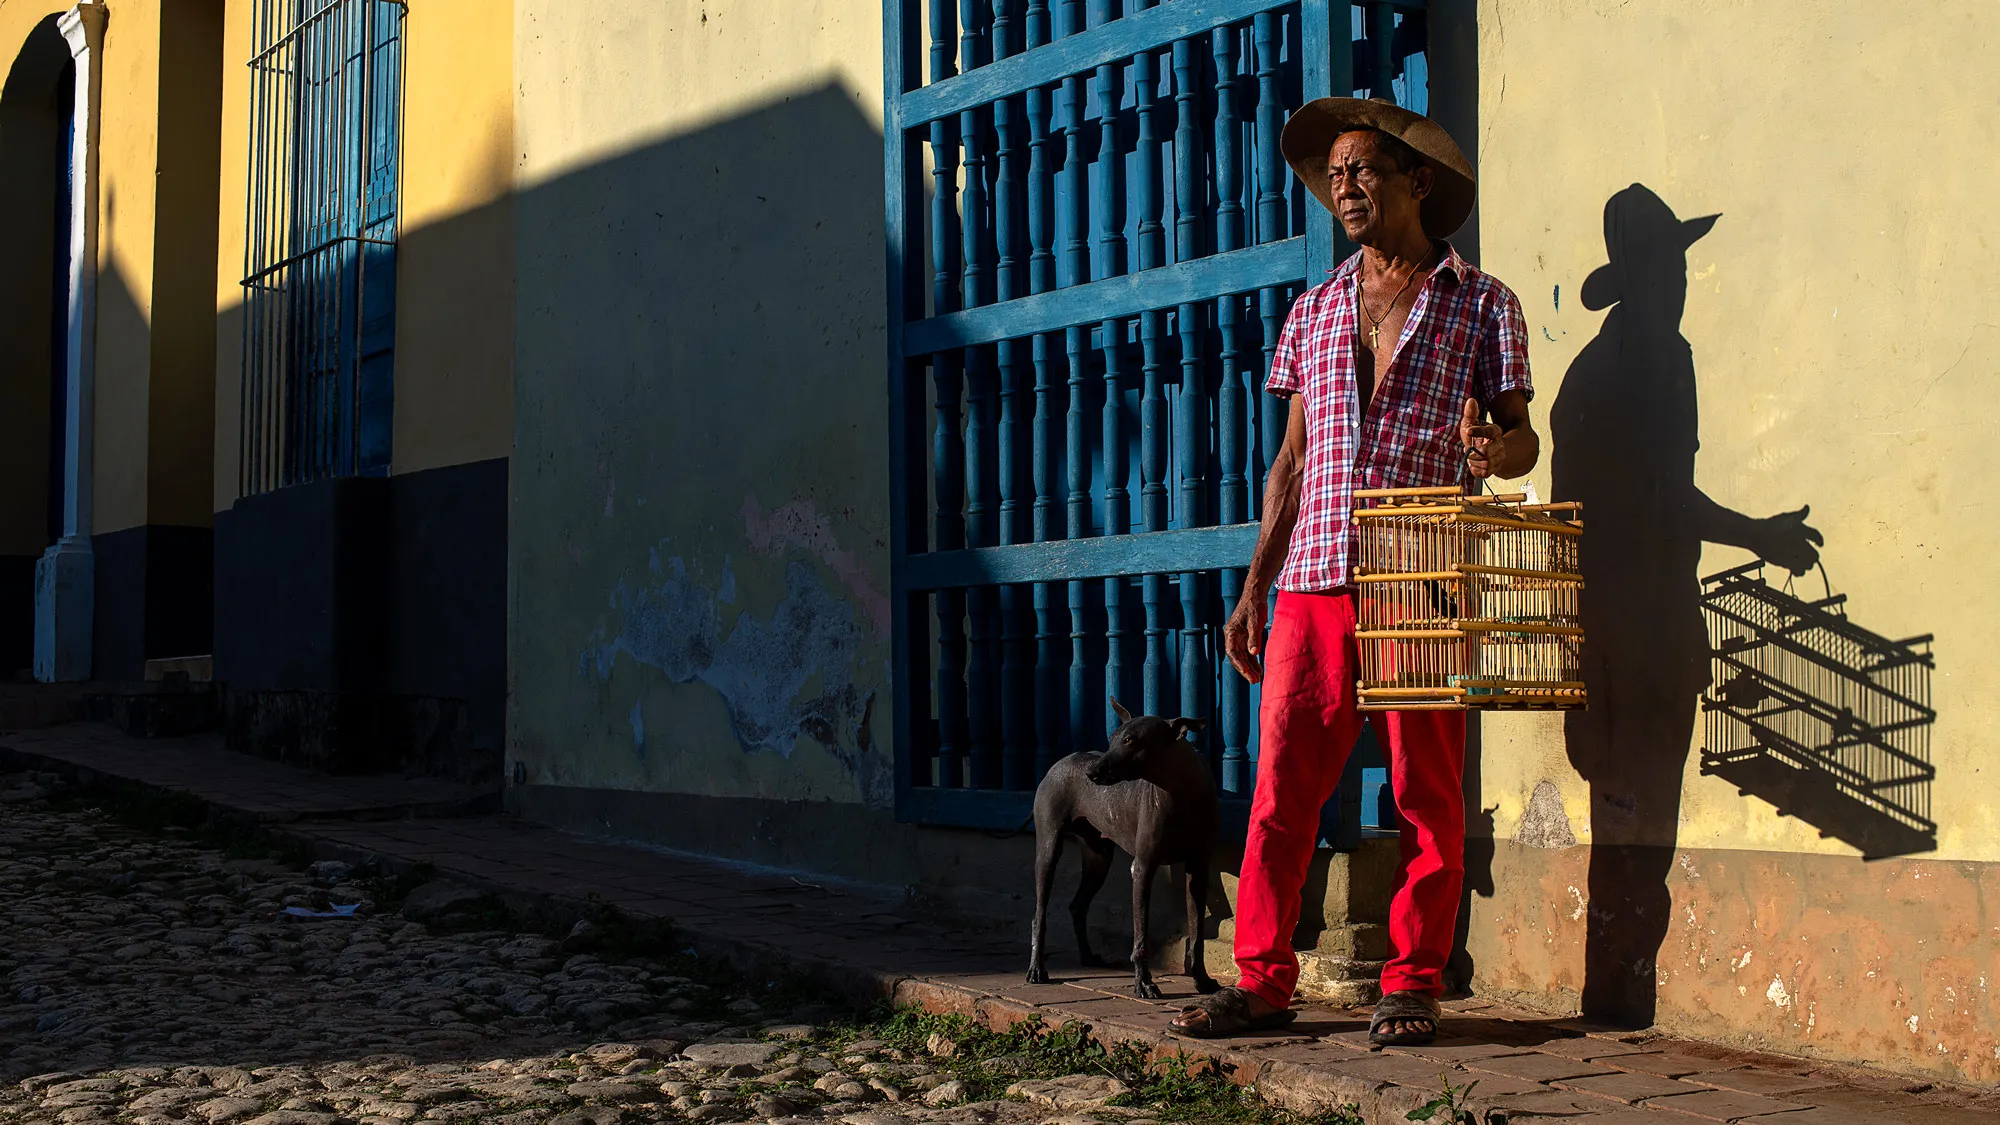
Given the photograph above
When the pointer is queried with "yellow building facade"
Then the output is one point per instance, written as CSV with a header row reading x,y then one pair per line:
x,y
629,541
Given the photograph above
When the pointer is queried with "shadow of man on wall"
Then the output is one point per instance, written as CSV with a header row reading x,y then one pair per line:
x,y
1625,428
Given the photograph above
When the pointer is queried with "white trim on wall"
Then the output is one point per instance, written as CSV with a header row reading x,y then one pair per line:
x,y
64,576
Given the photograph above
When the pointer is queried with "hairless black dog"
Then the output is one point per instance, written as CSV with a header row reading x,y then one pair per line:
x,y
1149,793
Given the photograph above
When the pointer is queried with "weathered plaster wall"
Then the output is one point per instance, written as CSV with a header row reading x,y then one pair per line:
x,y
698,560
1840,356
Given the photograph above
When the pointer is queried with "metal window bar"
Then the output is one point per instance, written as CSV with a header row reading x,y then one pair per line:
x,y
1092,246
320,240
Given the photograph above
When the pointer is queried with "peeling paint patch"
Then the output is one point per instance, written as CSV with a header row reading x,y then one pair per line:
x,y
760,668
800,526
1777,994
1544,824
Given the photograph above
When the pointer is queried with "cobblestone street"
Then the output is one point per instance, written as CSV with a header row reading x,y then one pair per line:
x,y
152,977
165,961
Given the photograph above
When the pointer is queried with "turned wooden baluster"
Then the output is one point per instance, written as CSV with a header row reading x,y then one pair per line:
x,y
1017,668
1231,422
1191,440
948,450
981,460
1271,226
1042,278
1110,209
1153,421
1076,343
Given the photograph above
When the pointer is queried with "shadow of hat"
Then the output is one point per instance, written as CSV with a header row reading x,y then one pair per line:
x,y
1637,222
1310,131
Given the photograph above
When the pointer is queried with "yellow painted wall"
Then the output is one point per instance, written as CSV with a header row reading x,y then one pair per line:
x,y
454,294
1838,314
128,143
698,564
455,268
1843,353
598,83
181,384
151,407
233,205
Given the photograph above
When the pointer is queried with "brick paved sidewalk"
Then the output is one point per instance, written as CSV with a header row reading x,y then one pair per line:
x,y
862,940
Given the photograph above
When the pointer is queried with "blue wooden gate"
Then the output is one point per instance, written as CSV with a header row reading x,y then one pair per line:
x,y
1079,437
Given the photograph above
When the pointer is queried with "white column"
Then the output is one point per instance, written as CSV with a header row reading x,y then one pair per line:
x,y
64,576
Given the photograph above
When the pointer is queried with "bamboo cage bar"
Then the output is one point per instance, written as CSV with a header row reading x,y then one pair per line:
x,y
1468,602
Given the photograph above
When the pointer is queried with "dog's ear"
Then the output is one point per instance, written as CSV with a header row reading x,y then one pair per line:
x,y
1186,725
1118,709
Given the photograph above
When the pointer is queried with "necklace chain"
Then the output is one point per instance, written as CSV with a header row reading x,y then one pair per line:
x,y
1375,322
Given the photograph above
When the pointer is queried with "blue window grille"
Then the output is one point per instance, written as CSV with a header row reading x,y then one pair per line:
x,y
320,249
1093,243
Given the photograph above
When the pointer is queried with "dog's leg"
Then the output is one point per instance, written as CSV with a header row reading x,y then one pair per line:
x,y
1197,903
1142,902
1048,849
1096,867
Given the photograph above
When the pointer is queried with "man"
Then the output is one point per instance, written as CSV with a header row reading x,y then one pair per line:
x,y
1393,362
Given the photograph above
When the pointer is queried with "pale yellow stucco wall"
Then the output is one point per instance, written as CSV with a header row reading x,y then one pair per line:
x,y
128,142
698,555
596,83
455,268
1839,315
150,414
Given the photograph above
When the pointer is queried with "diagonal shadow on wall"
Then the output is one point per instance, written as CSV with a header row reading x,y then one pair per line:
x,y
1826,720
1626,428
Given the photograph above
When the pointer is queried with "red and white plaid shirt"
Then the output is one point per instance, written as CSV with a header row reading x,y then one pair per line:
x,y
1465,337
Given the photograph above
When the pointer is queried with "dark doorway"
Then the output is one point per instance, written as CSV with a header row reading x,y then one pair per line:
x,y
35,121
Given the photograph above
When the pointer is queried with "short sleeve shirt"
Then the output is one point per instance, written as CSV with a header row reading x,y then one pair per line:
x,y
1465,337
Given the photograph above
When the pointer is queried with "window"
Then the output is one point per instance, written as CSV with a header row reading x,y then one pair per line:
x,y
1093,245
320,248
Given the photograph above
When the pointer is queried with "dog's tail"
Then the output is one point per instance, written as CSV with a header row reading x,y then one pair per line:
x,y
1017,830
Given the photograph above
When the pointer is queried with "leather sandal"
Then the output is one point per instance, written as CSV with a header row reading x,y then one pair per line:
x,y
1404,1007
1227,1014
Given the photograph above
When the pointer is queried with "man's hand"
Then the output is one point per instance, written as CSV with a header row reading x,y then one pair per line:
x,y
1243,637
1480,440
1787,540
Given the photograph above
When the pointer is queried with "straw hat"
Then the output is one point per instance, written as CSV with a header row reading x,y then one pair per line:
x,y
1309,135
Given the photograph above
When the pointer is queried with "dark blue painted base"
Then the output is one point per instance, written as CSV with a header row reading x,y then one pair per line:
x,y
17,614
340,594
153,598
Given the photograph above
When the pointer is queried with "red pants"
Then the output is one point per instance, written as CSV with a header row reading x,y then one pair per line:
x,y
1308,726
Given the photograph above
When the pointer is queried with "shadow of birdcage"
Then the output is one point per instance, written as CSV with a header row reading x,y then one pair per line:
x,y
1826,720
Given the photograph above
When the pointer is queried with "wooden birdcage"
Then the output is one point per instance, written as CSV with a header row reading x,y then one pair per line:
x,y
1467,602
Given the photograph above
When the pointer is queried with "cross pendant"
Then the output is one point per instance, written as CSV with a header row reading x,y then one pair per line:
x,y
1375,339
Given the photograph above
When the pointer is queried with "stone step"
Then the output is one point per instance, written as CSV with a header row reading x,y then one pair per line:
x,y
1365,941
